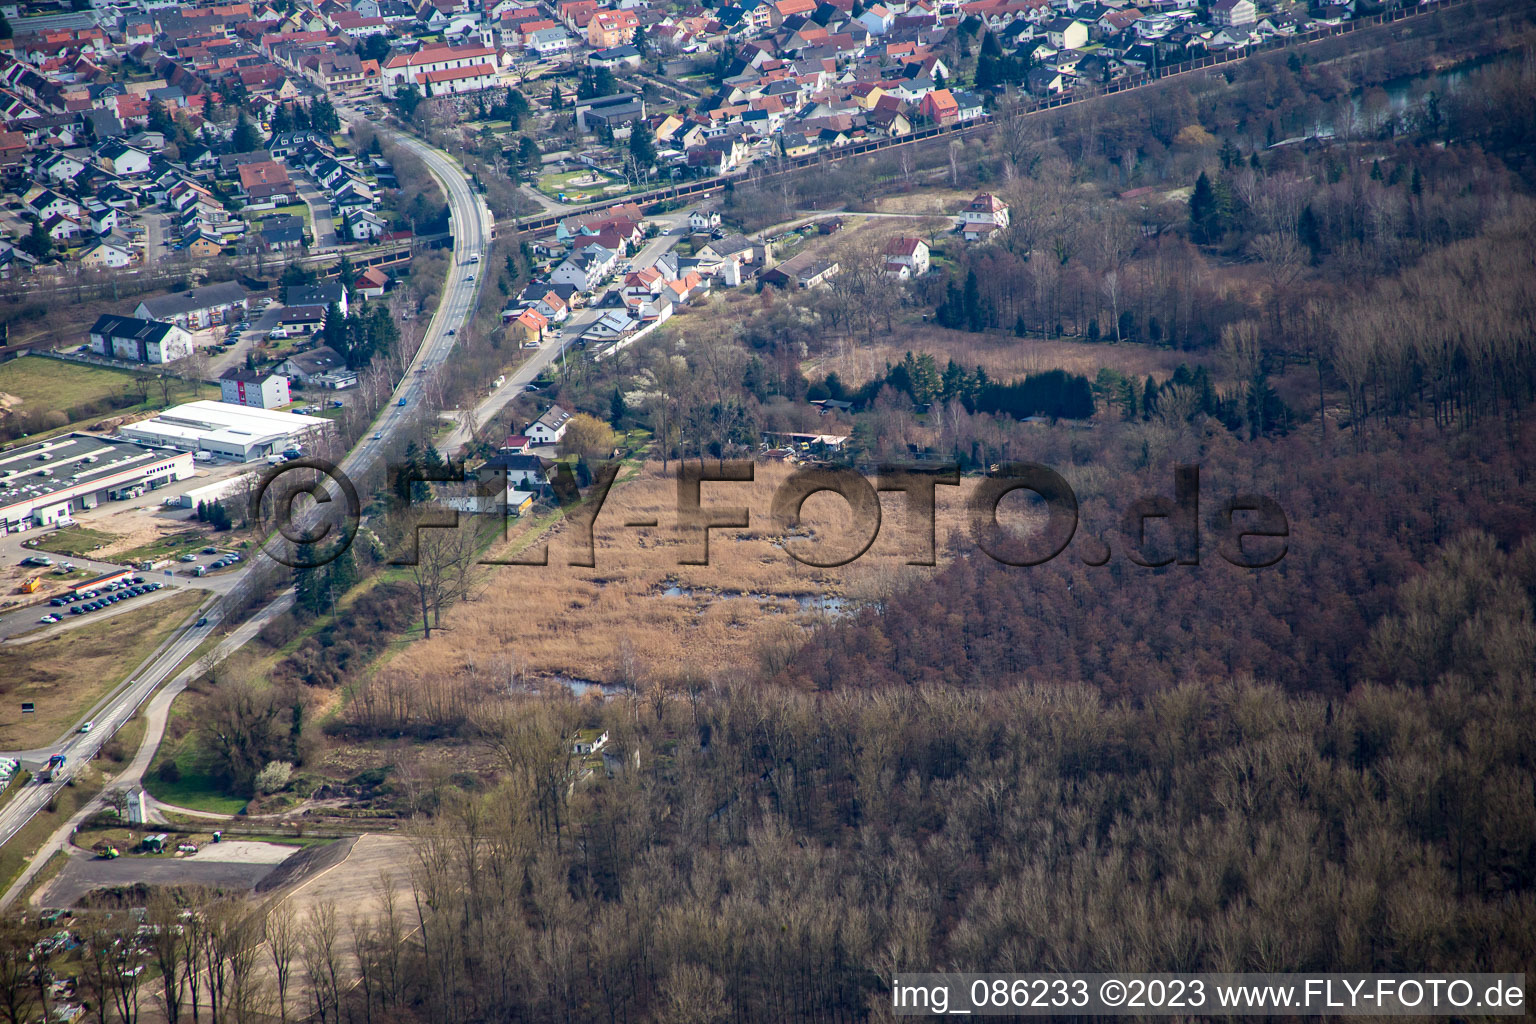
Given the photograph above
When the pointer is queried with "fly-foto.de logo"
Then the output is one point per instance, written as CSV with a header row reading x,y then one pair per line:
x,y
1247,531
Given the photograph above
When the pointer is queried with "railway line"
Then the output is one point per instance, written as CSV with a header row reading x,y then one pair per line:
x,y
702,188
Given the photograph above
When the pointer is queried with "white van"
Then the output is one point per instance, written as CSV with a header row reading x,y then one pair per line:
x,y
202,456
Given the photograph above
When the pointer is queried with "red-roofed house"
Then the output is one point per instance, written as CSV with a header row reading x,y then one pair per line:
x,y
906,257
984,217
939,107
528,326
612,28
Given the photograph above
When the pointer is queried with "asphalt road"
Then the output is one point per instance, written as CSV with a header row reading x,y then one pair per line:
x,y
472,224
526,374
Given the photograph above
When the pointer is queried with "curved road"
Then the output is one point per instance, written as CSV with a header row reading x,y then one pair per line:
x,y
472,227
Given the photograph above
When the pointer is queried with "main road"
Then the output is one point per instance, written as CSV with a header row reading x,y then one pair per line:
x,y
472,228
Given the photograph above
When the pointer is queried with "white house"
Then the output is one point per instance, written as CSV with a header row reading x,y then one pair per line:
x,y
1234,13
1067,33
548,428
122,159
586,269
985,216
139,340
255,388
703,220
547,42
906,257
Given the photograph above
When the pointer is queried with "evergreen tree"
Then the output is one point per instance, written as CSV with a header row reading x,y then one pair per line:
x,y
528,154
1149,398
1203,211
309,582
642,146
556,100
1020,329
408,99
245,137
616,408
975,315
6,32
37,243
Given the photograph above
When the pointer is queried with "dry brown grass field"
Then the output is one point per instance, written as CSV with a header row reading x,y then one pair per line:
x,y
615,622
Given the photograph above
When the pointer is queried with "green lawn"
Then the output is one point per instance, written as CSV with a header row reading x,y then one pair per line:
x,y
553,184
43,383
74,540
82,393
194,788
298,210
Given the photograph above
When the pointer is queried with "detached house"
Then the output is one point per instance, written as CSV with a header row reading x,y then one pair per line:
x,y
906,257
548,428
985,216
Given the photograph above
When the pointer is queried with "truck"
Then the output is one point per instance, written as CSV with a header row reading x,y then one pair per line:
x,y
55,763
32,585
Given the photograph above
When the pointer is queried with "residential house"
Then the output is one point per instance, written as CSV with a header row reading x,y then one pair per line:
x,y
265,184
1071,34
525,472
801,271
527,328
196,308
305,367
283,232
121,159
258,389
585,270
548,428
298,321
1234,13
103,255
906,257
326,293
939,107
371,283
983,217
612,28
139,340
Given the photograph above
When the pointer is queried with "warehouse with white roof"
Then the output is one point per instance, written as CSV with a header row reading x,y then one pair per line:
x,y
44,483
232,431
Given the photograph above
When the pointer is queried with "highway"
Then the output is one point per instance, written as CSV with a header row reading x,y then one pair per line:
x,y
472,224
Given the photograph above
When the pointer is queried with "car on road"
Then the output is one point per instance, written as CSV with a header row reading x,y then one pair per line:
x,y
474,259
377,437
451,332
202,621
49,618
188,557
401,403
87,727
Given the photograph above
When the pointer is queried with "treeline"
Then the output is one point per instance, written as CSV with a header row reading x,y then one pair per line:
x,y
1054,393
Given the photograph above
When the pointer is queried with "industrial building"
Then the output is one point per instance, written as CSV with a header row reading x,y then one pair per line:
x,y
46,482
231,431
